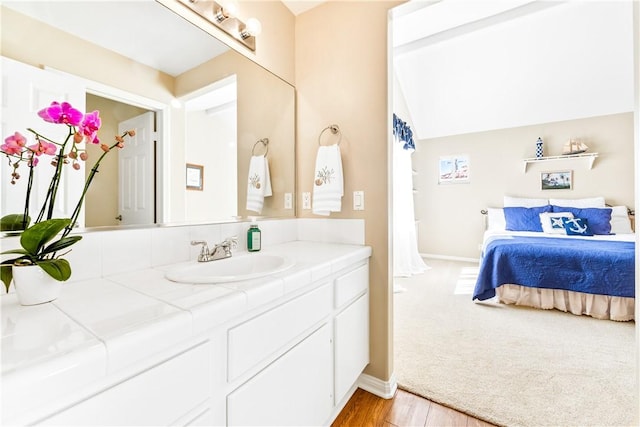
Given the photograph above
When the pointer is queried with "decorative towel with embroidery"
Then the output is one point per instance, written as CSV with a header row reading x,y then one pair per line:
x,y
328,187
259,185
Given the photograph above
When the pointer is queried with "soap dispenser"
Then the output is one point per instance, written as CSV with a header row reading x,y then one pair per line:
x,y
254,237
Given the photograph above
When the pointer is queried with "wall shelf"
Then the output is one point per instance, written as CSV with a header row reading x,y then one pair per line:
x,y
590,157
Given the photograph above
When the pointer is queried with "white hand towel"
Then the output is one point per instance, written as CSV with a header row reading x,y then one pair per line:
x,y
259,183
328,187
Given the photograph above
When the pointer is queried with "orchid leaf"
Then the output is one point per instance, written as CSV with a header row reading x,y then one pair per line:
x,y
58,268
15,251
6,273
36,236
63,243
14,222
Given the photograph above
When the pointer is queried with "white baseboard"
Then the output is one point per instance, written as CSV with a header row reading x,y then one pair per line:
x,y
450,258
383,389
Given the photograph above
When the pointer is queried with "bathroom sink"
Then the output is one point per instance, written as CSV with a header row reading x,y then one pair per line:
x,y
234,269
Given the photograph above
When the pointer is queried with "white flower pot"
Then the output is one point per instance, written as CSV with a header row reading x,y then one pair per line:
x,y
34,286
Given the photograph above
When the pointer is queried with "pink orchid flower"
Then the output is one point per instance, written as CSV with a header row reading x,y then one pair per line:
x,y
43,147
90,126
61,113
13,144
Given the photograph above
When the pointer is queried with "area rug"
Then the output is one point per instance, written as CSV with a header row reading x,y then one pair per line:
x,y
508,365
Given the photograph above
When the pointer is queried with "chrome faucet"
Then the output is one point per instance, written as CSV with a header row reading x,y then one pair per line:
x,y
220,251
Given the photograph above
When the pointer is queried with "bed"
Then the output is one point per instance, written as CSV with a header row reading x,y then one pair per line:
x,y
528,263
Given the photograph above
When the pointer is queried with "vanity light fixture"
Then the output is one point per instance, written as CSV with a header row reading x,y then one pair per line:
x,y
225,12
252,29
223,17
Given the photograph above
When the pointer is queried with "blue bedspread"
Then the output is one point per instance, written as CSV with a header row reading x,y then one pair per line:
x,y
595,267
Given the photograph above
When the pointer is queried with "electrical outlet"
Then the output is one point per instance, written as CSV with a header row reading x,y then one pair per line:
x,y
306,200
288,201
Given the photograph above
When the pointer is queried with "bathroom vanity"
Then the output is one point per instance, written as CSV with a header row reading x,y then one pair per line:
x,y
134,348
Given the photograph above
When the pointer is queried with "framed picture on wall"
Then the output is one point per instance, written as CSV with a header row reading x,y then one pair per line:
x,y
453,169
195,177
560,180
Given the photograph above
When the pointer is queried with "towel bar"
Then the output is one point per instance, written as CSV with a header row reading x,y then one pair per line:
x,y
334,130
265,142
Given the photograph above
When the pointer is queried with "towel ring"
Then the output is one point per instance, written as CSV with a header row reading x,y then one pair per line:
x,y
265,142
334,130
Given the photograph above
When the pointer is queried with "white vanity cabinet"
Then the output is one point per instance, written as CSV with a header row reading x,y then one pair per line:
x,y
306,382
290,361
176,390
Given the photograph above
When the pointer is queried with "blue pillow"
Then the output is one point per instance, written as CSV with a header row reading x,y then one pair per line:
x,y
599,219
524,219
577,227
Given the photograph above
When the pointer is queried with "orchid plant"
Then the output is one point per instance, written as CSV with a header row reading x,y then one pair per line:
x,y
36,240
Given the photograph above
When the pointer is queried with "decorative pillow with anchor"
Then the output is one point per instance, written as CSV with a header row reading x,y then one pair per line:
x,y
577,227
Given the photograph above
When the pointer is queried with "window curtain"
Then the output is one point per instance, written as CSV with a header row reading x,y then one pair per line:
x,y
406,258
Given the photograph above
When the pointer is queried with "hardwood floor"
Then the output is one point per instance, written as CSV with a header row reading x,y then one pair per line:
x,y
405,409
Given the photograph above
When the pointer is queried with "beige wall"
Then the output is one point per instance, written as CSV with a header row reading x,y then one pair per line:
x,y
341,78
450,222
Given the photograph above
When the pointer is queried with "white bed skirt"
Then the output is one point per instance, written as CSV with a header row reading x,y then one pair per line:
x,y
598,306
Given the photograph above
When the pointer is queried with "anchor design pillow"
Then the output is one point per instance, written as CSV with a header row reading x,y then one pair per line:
x,y
552,222
577,227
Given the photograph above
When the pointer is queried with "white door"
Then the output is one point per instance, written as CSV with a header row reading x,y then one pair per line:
x,y
27,90
136,171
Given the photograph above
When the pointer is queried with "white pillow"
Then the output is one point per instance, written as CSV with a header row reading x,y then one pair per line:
x,y
620,221
592,202
512,202
552,222
495,219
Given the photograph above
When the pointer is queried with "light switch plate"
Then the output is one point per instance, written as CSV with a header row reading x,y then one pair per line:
x,y
306,200
288,201
358,200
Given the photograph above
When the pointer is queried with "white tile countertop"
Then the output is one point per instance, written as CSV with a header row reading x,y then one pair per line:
x,y
103,326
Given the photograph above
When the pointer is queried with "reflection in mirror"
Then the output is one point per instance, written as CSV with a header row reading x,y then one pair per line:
x,y
125,89
210,114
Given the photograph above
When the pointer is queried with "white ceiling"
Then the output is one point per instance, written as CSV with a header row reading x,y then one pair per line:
x,y
143,30
466,70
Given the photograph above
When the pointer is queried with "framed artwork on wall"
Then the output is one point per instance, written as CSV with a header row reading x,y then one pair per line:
x,y
195,177
453,169
560,180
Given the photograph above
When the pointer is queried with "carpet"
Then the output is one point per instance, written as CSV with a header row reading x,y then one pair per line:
x,y
466,281
508,365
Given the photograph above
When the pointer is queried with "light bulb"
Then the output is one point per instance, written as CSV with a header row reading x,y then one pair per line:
x,y
253,27
231,7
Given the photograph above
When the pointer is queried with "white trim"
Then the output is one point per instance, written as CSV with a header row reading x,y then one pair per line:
x,y
383,389
450,258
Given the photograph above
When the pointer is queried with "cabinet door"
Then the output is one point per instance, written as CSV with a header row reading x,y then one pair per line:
x,y
351,345
295,390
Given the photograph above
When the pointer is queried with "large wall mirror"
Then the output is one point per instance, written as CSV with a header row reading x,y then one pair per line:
x,y
141,64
